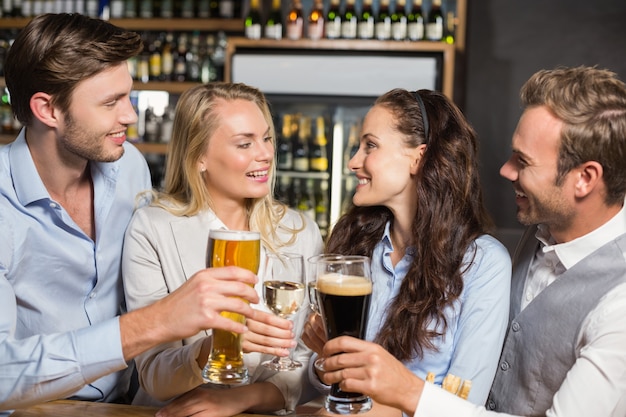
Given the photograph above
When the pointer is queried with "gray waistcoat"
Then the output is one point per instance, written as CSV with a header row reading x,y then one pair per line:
x,y
539,347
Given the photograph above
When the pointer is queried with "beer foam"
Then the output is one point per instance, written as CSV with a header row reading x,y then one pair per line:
x,y
348,285
239,235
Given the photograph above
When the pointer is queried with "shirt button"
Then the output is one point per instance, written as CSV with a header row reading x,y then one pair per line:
x,y
491,404
515,326
529,296
504,366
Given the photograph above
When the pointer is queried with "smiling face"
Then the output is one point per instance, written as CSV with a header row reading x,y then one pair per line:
x,y
384,164
239,154
94,128
532,169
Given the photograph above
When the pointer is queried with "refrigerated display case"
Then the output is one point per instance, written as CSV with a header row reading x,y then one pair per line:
x,y
337,81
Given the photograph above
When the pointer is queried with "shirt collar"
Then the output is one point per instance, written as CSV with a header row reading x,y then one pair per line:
x,y
569,253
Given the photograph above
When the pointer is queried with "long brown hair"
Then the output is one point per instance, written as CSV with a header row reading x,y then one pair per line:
x,y
450,216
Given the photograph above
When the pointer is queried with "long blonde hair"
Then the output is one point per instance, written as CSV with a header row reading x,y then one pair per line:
x,y
195,122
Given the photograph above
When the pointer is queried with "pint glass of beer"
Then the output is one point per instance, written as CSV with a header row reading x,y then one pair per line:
x,y
344,289
237,248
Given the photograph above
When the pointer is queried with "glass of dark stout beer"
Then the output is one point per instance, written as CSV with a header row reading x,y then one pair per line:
x,y
344,289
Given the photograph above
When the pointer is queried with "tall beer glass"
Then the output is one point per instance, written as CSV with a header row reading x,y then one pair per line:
x,y
344,289
237,248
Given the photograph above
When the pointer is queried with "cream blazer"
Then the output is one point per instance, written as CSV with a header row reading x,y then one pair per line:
x,y
162,251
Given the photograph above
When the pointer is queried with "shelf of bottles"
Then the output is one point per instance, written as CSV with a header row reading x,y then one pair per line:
x,y
399,20
314,143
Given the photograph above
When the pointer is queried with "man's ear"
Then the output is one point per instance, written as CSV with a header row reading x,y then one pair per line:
x,y
43,110
589,175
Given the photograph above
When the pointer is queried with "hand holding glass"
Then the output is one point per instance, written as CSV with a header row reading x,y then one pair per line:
x,y
344,289
238,248
284,293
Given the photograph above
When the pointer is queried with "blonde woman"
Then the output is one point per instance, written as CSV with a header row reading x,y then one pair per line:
x,y
220,174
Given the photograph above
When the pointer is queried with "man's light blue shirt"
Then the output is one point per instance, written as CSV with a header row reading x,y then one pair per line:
x,y
60,292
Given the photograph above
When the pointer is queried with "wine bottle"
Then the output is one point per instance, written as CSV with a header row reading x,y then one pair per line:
x,y
434,25
193,58
295,21
180,59
415,22
301,146
450,28
333,20
155,59
365,29
321,207
274,23
349,21
167,58
284,147
383,21
315,28
227,9
399,21
252,22
351,147
318,159
306,203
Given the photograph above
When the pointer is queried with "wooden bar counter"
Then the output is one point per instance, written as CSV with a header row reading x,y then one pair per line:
x,y
65,408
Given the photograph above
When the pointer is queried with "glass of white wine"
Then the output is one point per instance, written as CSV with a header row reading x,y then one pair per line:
x,y
284,293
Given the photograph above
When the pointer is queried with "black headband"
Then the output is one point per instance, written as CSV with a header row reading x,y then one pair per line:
x,y
419,100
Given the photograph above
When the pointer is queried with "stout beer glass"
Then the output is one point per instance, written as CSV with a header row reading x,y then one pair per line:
x,y
344,289
238,248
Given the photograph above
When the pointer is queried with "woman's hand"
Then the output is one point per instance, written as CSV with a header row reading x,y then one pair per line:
x,y
268,333
314,334
360,366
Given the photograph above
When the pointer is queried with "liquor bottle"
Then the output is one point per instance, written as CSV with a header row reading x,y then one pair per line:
x,y
145,9
365,28
306,202
214,9
351,147
274,23
315,28
383,21
203,9
349,21
208,70
450,28
285,141
415,22
301,146
252,22
434,24
187,9
167,124
143,62
155,59
180,59
227,9
117,9
348,193
318,157
151,125
283,189
399,21
167,58
321,207
295,21
130,9
333,20
193,58
132,131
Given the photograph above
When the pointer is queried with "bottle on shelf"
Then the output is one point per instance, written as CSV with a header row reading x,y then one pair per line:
x,y
252,22
349,21
203,9
318,157
274,23
450,27
322,207
193,58
180,59
351,147
130,9
348,191
333,20
155,59
187,9
295,21
167,58
301,146
167,124
315,28
116,9
284,147
434,24
383,21
143,62
208,70
399,21
306,202
151,126
283,189
415,22
145,9
227,9
365,29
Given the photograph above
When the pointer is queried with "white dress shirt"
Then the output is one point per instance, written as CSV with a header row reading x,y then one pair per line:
x,y
596,384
